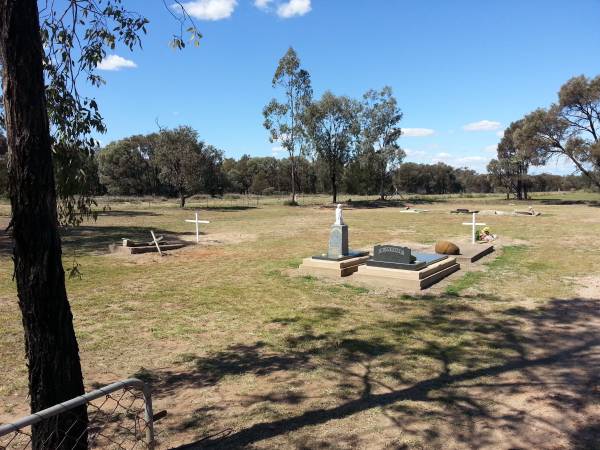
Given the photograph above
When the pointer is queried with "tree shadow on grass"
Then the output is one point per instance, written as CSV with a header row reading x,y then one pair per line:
x,y
222,208
121,213
567,202
96,239
391,203
549,355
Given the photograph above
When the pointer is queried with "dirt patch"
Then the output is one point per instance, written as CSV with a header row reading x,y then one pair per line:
x,y
225,238
588,287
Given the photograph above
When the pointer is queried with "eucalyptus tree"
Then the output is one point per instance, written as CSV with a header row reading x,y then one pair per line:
x,y
501,174
178,156
569,128
44,54
380,133
332,125
282,119
516,156
123,169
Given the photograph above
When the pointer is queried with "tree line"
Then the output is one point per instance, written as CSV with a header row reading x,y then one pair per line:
x,y
334,144
176,163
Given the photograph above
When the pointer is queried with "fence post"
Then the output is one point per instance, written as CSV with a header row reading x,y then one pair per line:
x,y
148,416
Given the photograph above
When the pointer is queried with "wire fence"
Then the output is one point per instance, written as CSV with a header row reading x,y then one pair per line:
x,y
119,417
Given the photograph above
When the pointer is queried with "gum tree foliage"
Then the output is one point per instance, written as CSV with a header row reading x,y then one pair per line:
x,y
282,119
380,133
46,52
181,158
501,174
127,166
123,169
515,157
437,178
332,126
569,128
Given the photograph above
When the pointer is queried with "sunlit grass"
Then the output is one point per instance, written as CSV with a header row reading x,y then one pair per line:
x,y
214,308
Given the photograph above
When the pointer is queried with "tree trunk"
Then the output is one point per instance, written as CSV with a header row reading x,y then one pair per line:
x,y
182,200
334,187
382,184
293,178
51,346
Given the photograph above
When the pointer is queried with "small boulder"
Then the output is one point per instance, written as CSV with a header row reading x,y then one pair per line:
x,y
446,248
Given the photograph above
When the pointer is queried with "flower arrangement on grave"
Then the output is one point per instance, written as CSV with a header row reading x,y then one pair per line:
x,y
485,235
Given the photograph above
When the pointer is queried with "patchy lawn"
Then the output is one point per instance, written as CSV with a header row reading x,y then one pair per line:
x,y
241,354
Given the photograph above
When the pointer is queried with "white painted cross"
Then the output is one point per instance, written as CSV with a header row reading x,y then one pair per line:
x,y
197,222
156,242
474,224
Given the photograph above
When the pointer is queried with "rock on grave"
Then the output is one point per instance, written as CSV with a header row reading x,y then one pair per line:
x,y
446,248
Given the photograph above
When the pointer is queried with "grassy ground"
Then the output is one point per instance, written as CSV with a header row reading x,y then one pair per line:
x,y
238,351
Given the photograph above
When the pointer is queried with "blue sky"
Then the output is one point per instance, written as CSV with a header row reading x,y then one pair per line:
x,y
461,70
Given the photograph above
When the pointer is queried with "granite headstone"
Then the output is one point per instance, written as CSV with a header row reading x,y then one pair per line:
x,y
398,257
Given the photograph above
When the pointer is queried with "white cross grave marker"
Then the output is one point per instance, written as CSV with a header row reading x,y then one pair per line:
x,y
474,224
197,222
156,242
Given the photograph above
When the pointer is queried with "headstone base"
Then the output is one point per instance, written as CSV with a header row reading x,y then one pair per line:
x,y
406,279
329,268
351,254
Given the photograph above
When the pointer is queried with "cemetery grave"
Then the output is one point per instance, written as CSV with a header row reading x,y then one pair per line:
x,y
393,266
397,267
157,244
339,261
233,345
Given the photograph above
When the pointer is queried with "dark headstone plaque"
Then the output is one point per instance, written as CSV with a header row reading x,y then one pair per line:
x,y
393,253
396,257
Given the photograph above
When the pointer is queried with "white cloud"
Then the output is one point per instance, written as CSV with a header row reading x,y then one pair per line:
x,y
262,4
116,62
208,9
411,152
482,125
443,155
293,8
468,159
500,134
417,132
278,151
491,148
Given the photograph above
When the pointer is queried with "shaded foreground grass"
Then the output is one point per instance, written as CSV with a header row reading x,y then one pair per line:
x,y
242,355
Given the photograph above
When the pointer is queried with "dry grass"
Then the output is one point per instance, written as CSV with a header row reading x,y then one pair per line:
x,y
498,358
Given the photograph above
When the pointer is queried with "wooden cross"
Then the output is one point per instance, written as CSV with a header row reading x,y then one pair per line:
x,y
197,222
156,242
474,225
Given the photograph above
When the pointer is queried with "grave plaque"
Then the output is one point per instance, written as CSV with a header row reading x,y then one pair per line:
x,y
397,257
394,254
